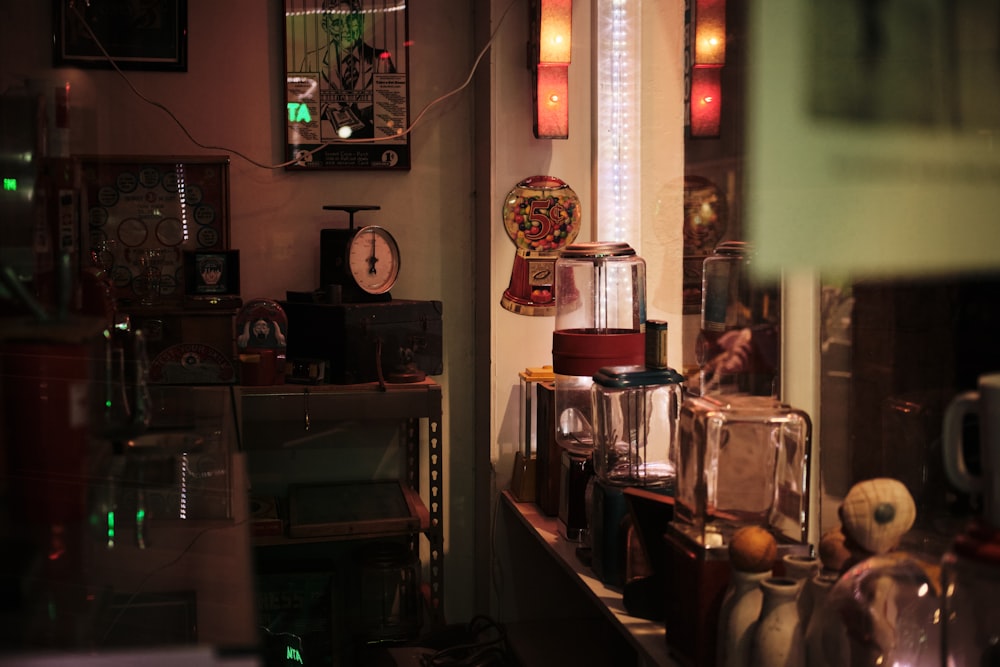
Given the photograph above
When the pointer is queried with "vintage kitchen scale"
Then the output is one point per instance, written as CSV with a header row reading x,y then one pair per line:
x,y
362,264
351,330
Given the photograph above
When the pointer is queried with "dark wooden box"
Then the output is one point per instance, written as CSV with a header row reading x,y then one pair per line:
x,y
355,339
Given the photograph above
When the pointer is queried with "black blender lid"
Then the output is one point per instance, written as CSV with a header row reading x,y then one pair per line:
x,y
622,377
594,249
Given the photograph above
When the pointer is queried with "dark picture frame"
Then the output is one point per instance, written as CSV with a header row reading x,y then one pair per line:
x,y
154,38
165,203
347,85
212,273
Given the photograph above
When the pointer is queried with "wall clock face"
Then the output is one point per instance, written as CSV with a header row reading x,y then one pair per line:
x,y
373,259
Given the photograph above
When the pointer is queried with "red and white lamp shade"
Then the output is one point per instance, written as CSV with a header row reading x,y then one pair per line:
x,y
552,41
709,56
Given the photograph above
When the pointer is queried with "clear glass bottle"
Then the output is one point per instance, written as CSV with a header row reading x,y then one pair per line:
x,y
738,345
600,291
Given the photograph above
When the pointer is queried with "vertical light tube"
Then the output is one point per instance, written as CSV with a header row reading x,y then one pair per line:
x,y
617,52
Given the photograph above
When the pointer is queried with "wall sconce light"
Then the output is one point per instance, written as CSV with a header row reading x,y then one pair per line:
x,y
710,32
706,101
709,56
549,58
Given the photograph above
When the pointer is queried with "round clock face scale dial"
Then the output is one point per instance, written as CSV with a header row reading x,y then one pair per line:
x,y
373,259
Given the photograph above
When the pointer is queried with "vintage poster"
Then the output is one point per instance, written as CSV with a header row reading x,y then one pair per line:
x,y
346,84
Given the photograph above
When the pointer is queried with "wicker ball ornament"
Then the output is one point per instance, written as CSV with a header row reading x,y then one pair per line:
x,y
876,513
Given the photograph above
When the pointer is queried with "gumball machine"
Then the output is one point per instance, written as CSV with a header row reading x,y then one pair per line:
x,y
541,215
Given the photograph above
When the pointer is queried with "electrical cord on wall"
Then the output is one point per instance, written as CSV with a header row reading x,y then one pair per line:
x,y
162,107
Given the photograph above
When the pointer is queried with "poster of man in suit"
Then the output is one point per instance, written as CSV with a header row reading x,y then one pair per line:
x,y
347,86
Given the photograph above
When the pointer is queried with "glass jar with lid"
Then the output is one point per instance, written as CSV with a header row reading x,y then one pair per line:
x,y
600,321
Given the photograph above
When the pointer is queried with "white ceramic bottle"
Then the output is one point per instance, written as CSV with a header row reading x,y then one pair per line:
x,y
802,569
740,609
777,634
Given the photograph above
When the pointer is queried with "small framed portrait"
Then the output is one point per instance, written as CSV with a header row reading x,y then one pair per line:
x,y
212,273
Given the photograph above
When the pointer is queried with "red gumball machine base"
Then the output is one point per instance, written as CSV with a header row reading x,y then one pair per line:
x,y
530,291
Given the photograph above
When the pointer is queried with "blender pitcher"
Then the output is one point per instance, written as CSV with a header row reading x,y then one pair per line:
x,y
635,425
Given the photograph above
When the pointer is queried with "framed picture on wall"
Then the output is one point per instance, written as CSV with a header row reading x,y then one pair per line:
x,y
346,100
144,206
211,273
149,35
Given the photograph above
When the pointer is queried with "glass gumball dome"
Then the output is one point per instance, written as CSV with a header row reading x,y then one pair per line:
x,y
542,214
705,215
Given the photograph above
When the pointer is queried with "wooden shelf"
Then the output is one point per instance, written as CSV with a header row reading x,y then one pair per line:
x,y
298,408
645,636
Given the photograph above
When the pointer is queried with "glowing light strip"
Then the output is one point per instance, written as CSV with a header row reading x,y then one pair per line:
x,y
184,473
379,10
618,186
182,197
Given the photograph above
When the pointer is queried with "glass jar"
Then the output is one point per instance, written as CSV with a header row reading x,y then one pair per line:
x,y
738,345
635,425
742,460
884,610
970,580
390,607
600,321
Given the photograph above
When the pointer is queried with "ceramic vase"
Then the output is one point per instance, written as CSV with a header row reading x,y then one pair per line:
x,y
777,635
740,609
802,569
825,640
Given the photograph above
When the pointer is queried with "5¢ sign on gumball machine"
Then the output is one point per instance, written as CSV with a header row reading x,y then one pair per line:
x,y
541,215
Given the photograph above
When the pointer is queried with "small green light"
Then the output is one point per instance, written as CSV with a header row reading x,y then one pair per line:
x,y
140,515
10,184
